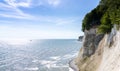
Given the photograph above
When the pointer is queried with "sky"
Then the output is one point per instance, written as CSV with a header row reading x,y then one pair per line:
x,y
43,19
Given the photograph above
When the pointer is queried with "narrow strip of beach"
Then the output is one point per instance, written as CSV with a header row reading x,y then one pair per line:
x,y
72,66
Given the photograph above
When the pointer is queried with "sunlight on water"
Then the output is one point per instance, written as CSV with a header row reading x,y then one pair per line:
x,y
38,55
16,41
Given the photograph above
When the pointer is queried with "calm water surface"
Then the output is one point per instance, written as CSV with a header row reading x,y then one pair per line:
x,y
39,55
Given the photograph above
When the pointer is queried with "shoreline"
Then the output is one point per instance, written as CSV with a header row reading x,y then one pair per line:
x,y
72,66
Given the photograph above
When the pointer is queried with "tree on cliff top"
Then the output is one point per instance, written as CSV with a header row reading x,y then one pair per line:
x,y
106,14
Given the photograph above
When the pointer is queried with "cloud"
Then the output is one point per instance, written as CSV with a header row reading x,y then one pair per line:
x,y
64,21
11,9
19,3
54,2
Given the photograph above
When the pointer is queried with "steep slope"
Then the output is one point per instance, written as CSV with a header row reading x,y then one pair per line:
x,y
90,61
101,42
111,55
101,52
106,56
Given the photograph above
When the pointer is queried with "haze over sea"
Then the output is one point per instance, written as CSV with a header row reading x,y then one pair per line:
x,y
38,55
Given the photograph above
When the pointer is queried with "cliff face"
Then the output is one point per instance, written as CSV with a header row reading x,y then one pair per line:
x,y
111,56
91,40
100,53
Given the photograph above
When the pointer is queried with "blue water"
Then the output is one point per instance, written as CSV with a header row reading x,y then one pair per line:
x,y
39,55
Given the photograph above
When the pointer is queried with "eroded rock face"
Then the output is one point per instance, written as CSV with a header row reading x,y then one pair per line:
x,y
111,56
107,55
90,42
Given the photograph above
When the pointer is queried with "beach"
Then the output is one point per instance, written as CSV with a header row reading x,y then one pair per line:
x,y
72,66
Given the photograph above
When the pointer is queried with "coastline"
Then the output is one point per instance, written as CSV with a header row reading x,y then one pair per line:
x,y
72,66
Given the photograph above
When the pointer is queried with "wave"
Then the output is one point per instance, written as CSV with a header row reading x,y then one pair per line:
x,y
31,68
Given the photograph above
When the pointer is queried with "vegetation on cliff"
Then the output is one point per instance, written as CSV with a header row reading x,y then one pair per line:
x,y
92,56
106,14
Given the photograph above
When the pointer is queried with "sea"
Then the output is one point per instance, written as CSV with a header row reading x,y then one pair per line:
x,y
39,55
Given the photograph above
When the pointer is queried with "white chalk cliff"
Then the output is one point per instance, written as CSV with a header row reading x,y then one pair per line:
x,y
100,52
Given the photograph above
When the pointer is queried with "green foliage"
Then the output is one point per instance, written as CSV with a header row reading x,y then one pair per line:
x,y
104,28
86,21
91,19
106,25
106,14
114,11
